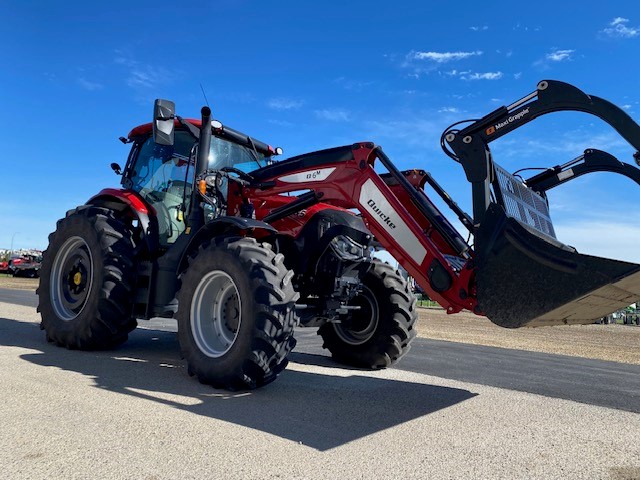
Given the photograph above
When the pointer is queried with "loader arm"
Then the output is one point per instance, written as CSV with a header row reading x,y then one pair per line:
x,y
471,144
402,218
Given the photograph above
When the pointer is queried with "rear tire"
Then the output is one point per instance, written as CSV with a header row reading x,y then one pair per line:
x,y
236,314
380,333
85,293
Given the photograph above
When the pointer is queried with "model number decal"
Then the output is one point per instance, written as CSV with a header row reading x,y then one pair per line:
x,y
316,175
373,201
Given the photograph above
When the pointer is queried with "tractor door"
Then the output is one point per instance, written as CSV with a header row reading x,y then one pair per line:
x,y
163,176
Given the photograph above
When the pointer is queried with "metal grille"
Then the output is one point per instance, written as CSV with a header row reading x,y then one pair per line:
x,y
522,203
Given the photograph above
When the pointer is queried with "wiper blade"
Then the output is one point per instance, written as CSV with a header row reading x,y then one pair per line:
x,y
195,132
254,151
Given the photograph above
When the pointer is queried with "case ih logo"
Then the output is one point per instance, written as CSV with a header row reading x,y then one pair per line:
x,y
380,213
514,118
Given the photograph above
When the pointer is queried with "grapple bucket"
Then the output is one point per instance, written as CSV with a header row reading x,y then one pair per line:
x,y
525,277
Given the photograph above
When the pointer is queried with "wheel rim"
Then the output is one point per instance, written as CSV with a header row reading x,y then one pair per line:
x,y
71,278
363,323
216,314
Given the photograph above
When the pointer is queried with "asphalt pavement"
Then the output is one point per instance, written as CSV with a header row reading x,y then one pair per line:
x,y
594,382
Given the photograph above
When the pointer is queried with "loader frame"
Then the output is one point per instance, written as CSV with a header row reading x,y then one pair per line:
x,y
408,224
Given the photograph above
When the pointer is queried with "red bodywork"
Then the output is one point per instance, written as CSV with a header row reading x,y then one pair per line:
x,y
127,196
414,242
354,184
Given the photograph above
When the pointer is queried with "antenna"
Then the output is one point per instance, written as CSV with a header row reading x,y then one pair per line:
x,y
205,96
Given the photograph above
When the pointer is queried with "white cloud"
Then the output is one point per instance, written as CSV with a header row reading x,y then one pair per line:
x,y
284,103
517,76
469,75
443,57
333,115
556,55
87,85
483,76
449,110
559,55
141,75
457,73
147,76
477,29
618,28
626,107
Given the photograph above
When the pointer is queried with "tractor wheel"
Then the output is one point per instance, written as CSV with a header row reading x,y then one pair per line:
x,y
380,332
236,313
85,293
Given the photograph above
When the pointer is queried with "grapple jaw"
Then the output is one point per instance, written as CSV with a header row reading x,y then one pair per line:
x,y
525,278
524,275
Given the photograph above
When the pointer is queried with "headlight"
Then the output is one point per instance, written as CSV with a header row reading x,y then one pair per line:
x,y
346,249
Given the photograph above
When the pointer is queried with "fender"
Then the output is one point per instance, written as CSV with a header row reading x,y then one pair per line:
x,y
224,226
127,200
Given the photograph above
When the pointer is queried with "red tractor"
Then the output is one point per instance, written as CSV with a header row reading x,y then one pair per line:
x,y
240,248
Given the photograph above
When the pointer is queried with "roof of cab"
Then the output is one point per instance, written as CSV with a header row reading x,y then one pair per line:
x,y
226,132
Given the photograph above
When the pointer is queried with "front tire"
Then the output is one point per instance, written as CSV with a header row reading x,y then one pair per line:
x,y
236,314
380,332
85,292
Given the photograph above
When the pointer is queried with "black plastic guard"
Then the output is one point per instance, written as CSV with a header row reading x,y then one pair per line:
x,y
525,278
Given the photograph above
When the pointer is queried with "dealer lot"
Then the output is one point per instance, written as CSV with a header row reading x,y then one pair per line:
x,y
134,413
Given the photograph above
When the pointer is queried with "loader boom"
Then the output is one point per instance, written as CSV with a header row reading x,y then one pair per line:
x,y
401,217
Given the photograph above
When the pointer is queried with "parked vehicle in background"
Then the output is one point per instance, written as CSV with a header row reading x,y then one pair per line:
x,y
631,315
626,316
25,266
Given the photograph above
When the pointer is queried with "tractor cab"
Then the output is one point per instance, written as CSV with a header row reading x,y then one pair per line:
x,y
164,174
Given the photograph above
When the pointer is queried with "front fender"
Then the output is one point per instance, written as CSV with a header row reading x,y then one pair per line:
x,y
133,203
226,226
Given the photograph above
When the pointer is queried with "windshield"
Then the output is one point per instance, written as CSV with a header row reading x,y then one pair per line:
x,y
224,153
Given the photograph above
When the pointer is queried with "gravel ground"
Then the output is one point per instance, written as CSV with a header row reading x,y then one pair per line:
x,y
7,281
618,343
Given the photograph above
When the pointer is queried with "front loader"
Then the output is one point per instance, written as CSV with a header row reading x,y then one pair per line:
x,y
241,248
517,273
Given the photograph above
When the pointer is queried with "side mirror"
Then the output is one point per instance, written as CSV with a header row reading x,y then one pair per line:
x,y
163,116
116,168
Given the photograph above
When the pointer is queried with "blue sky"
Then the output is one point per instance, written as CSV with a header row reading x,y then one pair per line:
x,y
306,76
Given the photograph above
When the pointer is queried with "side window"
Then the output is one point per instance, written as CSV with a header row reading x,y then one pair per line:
x,y
162,175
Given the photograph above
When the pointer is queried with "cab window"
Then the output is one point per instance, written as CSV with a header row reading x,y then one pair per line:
x,y
163,175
